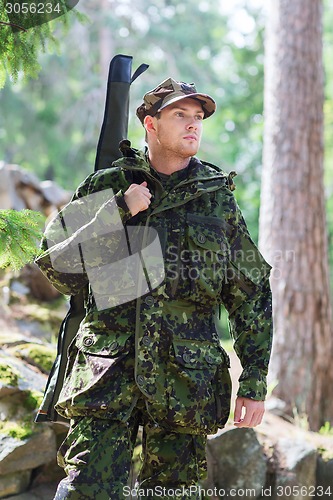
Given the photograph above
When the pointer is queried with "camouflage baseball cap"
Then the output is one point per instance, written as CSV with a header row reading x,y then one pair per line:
x,y
171,91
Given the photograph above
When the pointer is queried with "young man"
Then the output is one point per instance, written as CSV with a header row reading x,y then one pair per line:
x,y
147,352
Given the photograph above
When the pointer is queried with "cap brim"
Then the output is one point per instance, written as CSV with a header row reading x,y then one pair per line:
x,y
207,102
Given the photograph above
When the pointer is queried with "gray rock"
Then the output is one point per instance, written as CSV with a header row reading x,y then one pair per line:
x,y
19,288
33,328
29,379
43,492
54,194
27,454
21,189
11,484
237,462
8,195
297,467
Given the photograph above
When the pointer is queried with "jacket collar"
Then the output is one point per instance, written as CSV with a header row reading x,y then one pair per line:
x,y
202,177
199,171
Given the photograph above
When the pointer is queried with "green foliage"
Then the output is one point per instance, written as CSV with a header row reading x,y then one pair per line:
x,y
19,233
326,429
19,50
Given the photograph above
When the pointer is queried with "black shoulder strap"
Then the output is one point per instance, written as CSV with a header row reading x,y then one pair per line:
x,y
115,122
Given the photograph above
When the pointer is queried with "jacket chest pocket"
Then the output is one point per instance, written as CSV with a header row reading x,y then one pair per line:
x,y
193,394
205,256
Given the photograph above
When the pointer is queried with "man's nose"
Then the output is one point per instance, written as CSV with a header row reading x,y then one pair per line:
x,y
192,124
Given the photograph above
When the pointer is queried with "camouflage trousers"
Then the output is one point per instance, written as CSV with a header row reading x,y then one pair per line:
x,y
97,457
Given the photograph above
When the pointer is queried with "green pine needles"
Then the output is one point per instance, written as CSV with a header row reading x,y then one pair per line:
x,y
19,51
20,233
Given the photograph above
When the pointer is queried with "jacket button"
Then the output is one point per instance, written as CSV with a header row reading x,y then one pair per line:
x,y
209,359
224,246
114,345
140,380
149,300
146,341
88,341
187,357
201,238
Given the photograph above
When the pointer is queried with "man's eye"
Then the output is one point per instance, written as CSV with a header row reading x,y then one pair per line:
x,y
179,114
199,117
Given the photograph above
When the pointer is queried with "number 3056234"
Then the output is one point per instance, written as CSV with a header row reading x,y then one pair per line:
x,y
32,8
304,491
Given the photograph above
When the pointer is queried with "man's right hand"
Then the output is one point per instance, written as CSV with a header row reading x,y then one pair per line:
x,y
137,197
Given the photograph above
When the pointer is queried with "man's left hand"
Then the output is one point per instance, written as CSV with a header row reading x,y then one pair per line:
x,y
254,411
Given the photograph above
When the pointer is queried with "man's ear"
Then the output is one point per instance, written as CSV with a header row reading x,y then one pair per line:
x,y
149,124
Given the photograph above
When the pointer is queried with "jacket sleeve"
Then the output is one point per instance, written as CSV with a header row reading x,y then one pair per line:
x,y
83,236
247,298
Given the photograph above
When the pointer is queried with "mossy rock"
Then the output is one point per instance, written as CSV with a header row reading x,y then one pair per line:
x,y
32,400
39,355
17,430
18,421
8,375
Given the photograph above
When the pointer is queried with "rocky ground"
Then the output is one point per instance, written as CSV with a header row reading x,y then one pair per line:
x,y
277,454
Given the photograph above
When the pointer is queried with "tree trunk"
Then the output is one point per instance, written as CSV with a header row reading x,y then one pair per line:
x,y
292,216
106,44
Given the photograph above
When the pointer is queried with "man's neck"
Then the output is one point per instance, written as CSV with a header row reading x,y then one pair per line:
x,y
168,165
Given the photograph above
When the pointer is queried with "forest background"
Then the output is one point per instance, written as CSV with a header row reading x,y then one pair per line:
x,y
50,125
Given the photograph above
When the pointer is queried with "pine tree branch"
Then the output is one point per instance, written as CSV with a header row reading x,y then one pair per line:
x,y
20,233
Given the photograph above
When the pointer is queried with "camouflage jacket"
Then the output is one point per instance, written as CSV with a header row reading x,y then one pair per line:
x,y
150,329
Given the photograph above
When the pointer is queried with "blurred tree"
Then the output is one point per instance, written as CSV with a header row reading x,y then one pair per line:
x,y
292,214
328,130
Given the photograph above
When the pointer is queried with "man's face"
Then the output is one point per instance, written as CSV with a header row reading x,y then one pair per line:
x,y
178,130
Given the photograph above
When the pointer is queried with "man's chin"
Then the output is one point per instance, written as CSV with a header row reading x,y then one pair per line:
x,y
191,149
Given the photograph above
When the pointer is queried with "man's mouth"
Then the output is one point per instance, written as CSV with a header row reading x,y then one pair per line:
x,y
191,137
